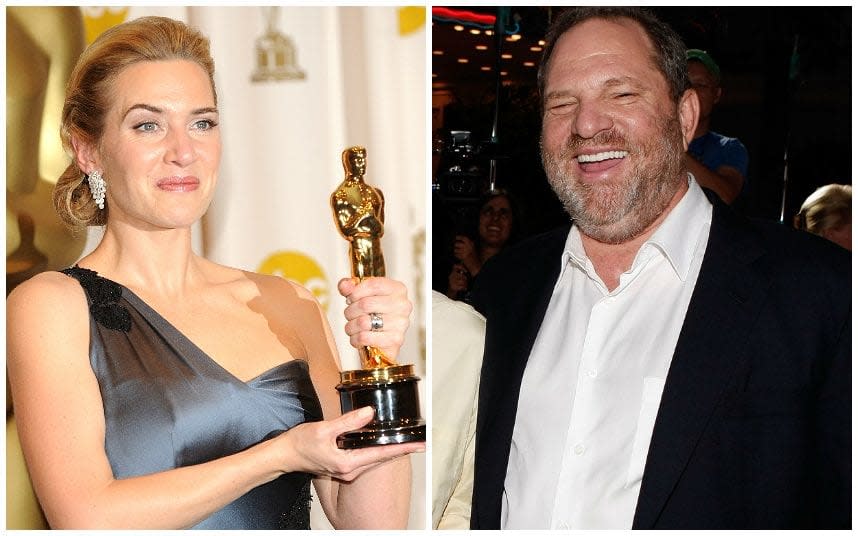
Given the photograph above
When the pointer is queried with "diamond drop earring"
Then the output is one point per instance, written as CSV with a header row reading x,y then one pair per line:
x,y
97,186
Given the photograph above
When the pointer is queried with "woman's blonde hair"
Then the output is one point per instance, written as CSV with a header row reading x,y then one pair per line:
x,y
88,96
829,207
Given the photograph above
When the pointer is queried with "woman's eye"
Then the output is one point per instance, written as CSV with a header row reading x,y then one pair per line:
x,y
148,126
205,124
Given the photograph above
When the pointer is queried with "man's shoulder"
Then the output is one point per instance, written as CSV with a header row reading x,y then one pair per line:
x,y
791,253
542,241
454,312
521,266
543,246
724,141
804,247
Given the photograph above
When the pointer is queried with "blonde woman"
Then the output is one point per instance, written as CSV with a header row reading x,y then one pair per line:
x,y
154,388
827,212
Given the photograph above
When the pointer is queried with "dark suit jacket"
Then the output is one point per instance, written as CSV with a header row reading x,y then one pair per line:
x,y
754,426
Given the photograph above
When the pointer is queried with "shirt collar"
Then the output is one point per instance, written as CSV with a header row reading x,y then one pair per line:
x,y
676,238
679,234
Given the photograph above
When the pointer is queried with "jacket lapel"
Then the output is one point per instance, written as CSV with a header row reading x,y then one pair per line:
x,y
529,300
509,339
728,293
525,298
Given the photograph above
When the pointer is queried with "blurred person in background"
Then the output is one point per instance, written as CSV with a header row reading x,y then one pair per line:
x,y
718,162
496,228
457,352
827,212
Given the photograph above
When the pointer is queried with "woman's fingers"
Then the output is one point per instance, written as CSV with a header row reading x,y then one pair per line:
x,y
382,299
316,444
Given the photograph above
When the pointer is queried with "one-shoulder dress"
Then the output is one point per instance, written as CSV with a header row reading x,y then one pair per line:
x,y
167,404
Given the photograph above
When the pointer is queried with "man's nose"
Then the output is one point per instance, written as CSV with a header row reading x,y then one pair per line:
x,y
591,118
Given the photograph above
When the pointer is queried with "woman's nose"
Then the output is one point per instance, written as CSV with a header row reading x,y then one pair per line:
x,y
180,148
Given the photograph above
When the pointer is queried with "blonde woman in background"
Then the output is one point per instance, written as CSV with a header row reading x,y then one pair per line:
x,y
827,212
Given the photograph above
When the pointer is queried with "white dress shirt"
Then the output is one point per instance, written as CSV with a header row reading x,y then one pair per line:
x,y
594,378
458,334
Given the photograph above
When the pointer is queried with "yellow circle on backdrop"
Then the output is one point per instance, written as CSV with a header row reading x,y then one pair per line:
x,y
98,19
411,19
300,268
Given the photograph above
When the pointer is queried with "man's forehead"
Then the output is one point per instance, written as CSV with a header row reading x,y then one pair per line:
x,y
599,43
599,36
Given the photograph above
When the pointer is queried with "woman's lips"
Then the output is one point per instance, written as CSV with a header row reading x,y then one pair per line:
x,y
179,184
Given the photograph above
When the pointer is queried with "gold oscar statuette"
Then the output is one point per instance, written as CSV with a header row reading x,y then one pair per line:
x,y
381,383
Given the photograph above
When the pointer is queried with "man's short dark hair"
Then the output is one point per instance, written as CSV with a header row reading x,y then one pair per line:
x,y
669,49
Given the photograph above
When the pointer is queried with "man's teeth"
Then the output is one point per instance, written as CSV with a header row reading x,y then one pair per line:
x,y
598,157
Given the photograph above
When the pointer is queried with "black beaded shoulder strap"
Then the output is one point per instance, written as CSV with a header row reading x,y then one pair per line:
x,y
104,297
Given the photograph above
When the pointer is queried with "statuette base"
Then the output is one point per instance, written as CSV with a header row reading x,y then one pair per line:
x,y
392,392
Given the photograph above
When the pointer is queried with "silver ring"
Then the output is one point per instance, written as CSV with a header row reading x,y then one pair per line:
x,y
375,322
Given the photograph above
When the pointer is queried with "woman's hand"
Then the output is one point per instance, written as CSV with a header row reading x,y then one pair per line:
x,y
385,297
314,448
464,248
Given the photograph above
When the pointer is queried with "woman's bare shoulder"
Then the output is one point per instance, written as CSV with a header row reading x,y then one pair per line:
x,y
46,319
54,291
244,283
279,287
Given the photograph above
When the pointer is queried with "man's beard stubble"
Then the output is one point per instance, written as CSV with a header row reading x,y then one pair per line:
x,y
614,213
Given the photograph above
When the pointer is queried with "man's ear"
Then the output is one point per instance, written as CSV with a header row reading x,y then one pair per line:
x,y
85,154
689,113
717,98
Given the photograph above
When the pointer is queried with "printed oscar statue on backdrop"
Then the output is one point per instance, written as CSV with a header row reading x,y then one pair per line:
x,y
390,388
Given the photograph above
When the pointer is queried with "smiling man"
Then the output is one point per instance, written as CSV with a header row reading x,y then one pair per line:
x,y
662,362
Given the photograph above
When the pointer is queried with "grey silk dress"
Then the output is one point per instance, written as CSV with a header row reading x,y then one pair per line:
x,y
167,404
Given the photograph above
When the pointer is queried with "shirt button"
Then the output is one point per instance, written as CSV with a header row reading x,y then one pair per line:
x,y
592,373
579,449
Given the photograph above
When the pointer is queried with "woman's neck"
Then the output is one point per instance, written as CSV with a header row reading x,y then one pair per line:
x,y
160,261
